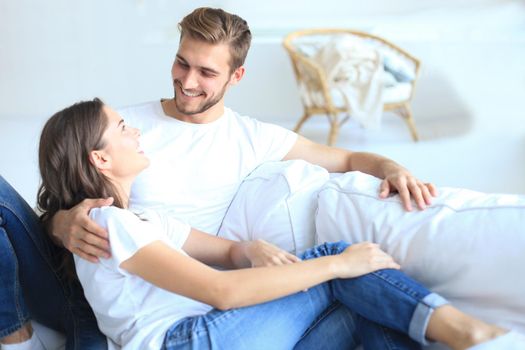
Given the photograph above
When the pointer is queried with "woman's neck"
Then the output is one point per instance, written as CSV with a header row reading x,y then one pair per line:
x,y
123,188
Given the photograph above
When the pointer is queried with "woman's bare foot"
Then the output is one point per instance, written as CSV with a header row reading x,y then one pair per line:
x,y
458,330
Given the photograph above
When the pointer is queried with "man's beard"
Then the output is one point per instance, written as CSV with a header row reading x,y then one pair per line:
x,y
205,105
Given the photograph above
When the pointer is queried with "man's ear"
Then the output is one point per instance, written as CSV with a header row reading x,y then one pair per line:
x,y
237,75
100,159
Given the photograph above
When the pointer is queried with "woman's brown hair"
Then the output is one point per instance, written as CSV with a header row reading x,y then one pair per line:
x,y
68,177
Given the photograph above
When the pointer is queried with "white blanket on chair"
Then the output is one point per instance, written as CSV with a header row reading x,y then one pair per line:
x,y
354,70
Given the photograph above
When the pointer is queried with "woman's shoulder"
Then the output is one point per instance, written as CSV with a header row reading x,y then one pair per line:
x,y
127,228
111,214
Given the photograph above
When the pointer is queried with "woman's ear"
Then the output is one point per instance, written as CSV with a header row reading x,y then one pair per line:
x,y
100,159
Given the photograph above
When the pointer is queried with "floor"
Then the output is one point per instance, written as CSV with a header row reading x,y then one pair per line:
x,y
491,159
468,109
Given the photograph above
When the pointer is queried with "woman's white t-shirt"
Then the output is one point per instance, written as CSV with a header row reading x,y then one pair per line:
x,y
132,312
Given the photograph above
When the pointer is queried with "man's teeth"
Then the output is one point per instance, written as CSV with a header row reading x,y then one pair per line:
x,y
190,94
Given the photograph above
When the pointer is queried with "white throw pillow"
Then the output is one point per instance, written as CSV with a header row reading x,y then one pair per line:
x,y
467,246
277,203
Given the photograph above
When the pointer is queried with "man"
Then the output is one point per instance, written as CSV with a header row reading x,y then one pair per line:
x,y
201,150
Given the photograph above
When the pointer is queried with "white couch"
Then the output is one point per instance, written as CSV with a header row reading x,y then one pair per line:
x,y
467,246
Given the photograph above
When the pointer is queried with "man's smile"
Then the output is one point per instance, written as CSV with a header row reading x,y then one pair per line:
x,y
189,92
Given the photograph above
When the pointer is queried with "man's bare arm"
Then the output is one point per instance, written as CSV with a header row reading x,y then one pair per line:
x,y
395,177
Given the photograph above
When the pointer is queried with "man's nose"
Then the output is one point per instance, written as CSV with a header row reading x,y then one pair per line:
x,y
189,80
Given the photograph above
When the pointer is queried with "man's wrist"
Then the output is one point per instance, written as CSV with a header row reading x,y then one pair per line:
x,y
389,167
49,228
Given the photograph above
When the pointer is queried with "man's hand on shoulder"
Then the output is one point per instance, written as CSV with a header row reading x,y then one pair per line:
x,y
78,233
397,179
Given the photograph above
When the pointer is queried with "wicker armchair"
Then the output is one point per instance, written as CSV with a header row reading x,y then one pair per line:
x,y
311,79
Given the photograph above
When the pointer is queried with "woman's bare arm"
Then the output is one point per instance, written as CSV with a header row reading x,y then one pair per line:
x,y
217,251
169,269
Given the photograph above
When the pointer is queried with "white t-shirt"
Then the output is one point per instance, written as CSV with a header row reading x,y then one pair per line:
x,y
196,169
134,313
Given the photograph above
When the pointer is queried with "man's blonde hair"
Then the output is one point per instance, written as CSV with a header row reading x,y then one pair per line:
x,y
216,26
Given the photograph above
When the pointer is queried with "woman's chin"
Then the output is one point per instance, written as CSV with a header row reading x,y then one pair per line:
x,y
147,163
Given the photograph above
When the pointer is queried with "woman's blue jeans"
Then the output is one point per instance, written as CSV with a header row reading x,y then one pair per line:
x,y
385,310
31,287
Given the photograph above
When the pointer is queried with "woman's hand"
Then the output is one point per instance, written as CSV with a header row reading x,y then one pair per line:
x,y
262,253
362,258
78,233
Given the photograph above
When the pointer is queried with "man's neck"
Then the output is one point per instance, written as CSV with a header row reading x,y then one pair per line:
x,y
208,116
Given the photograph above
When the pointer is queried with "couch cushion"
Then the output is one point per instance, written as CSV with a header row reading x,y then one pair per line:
x,y
277,203
467,246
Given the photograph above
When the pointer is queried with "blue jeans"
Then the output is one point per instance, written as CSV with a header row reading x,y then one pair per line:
x,y
386,310
31,286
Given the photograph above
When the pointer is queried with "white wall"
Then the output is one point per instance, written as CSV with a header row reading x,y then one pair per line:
x,y
56,52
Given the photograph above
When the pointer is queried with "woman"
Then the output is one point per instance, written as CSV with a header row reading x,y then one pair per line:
x,y
157,290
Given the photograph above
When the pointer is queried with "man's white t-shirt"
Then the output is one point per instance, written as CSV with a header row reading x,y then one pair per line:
x,y
196,169
134,313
